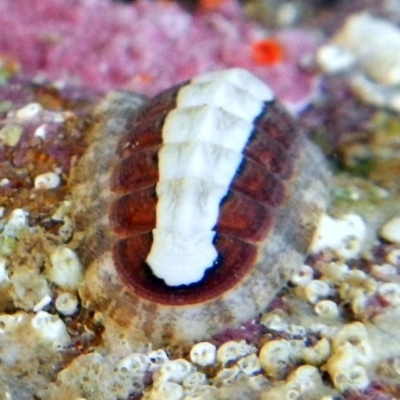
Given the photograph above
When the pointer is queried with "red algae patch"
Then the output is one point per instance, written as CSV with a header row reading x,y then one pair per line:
x,y
145,46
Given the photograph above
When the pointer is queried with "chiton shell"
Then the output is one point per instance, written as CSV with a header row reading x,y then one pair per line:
x,y
197,205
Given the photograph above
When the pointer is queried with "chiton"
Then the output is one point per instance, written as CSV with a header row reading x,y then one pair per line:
x,y
197,205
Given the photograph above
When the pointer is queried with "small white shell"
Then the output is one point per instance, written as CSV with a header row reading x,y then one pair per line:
x,y
157,358
297,330
194,379
50,328
359,304
8,323
231,351
393,257
304,379
296,348
10,134
333,59
390,292
334,272
135,362
344,373
250,365
48,180
66,270
391,230
66,303
167,391
203,354
44,301
29,111
274,357
275,320
356,335
383,271
41,131
326,309
303,276
203,392
227,375
173,371
344,237
316,289
317,354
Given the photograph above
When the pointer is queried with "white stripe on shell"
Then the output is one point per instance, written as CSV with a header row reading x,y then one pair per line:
x,y
203,137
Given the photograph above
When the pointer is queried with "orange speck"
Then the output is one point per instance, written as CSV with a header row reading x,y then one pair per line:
x,y
267,51
143,77
210,4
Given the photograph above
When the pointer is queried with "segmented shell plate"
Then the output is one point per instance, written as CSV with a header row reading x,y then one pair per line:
x,y
197,206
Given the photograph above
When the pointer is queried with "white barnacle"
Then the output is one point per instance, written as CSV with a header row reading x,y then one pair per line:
x,y
383,271
317,354
359,304
296,347
334,272
393,257
173,371
227,375
357,284
203,354
134,362
316,289
194,379
157,358
250,364
390,292
324,330
167,391
201,392
344,372
343,236
66,303
50,328
296,330
8,323
304,379
274,357
275,320
303,276
391,230
281,392
231,351
356,335
66,271
326,309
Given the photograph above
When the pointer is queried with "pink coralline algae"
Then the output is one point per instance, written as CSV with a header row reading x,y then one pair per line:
x,y
146,46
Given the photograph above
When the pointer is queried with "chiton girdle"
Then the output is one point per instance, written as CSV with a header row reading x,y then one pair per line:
x,y
211,174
